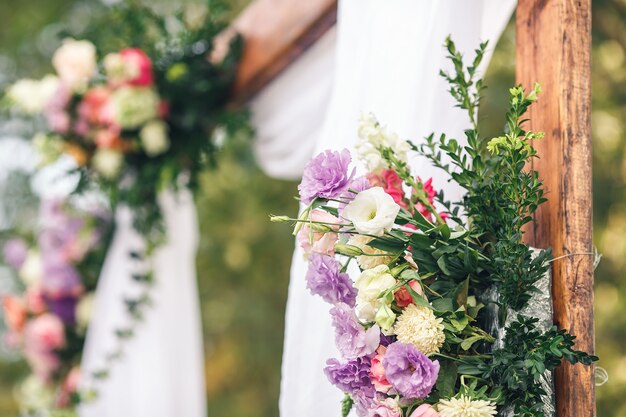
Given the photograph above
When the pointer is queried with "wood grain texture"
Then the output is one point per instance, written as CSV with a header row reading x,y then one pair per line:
x,y
276,32
553,48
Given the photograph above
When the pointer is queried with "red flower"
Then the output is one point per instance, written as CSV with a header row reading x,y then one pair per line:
x,y
140,64
391,183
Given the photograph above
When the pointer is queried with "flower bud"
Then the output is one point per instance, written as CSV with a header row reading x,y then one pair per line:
x,y
280,219
347,250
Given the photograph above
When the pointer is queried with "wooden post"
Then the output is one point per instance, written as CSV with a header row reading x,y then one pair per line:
x,y
554,48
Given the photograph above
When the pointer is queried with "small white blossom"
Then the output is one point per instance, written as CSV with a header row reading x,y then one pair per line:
x,y
154,138
373,136
108,162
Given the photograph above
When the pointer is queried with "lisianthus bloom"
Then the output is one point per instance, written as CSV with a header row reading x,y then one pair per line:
x,y
326,176
129,66
384,318
75,62
403,296
425,410
372,212
464,406
371,257
311,239
409,371
14,313
15,252
370,284
324,278
385,408
377,371
45,333
389,180
372,137
419,327
351,338
352,376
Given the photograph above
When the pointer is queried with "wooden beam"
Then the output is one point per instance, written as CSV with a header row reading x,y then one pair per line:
x,y
554,48
276,32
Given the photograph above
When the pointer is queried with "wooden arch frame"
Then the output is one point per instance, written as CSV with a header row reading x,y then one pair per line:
x,y
553,48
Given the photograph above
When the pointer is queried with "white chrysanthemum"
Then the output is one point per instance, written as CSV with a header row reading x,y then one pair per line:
x,y
372,136
368,261
464,406
419,327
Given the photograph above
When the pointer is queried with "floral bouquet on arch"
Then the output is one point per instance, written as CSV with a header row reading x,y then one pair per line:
x,y
411,277
47,319
140,109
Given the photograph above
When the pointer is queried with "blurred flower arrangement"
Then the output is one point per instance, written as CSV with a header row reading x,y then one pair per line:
x,y
47,321
415,327
141,109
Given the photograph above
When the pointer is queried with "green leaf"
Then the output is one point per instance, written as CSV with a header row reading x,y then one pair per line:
x,y
446,380
467,343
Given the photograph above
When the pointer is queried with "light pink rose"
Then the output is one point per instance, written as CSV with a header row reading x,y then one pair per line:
x,y
386,408
377,372
43,362
322,243
75,62
44,333
35,302
425,410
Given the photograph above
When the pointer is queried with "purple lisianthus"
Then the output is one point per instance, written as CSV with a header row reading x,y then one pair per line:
x,y
351,338
326,176
324,278
410,372
63,307
59,278
15,252
364,401
352,377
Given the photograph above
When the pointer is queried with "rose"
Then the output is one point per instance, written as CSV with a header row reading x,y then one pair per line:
x,y
377,371
108,162
154,138
14,313
403,296
372,212
92,108
425,410
386,408
75,62
370,284
129,66
317,241
44,333
133,106
32,96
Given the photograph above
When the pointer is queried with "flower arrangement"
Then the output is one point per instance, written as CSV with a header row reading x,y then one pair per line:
x,y
411,276
47,321
142,108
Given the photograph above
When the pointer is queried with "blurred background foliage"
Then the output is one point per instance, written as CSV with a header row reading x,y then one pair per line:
x,y
243,261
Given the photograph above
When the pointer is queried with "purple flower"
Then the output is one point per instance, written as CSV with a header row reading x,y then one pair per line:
x,y
15,252
63,307
351,338
59,278
352,377
364,401
324,278
410,372
326,176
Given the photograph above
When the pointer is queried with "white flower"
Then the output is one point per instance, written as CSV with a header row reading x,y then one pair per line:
x,y
385,317
419,327
75,62
84,309
108,162
372,212
464,406
372,256
373,136
31,270
154,138
32,96
35,393
370,285
134,106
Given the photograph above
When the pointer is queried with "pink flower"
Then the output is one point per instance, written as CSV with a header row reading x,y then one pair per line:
x,y
403,296
14,313
386,408
319,242
92,107
43,363
44,333
56,115
69,386
391,183
431,193
137,59
35,301
377,371
425,410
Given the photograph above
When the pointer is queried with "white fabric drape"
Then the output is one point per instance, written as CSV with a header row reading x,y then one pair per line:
x,y
387,58
161,373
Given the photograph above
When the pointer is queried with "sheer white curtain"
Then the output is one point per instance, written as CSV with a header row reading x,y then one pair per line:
x,y
386,59
161,372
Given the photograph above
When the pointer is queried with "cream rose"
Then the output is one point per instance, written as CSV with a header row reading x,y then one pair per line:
x,y
108,162
372,212
75,62
154,138
370,285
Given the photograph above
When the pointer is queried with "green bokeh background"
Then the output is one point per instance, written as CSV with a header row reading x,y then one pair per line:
x,y
243,260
